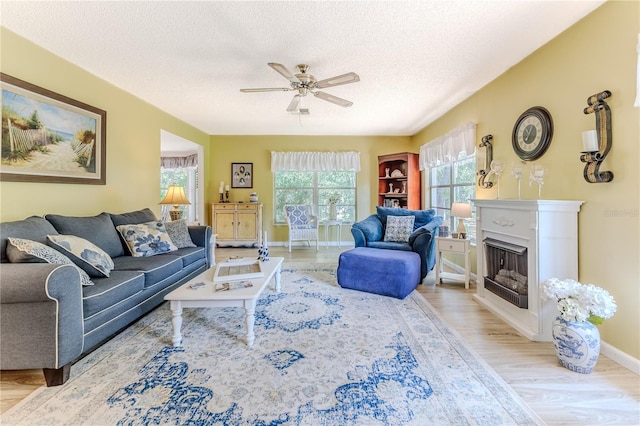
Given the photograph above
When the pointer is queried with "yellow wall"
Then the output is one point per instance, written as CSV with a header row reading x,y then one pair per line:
x,y
133,140
596,54
257,150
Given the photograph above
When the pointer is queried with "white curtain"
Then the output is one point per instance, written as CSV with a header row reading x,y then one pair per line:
x,y
315,161
446,148
179,162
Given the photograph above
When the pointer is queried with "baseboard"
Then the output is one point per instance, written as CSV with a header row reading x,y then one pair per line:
x,y
619,357
611,352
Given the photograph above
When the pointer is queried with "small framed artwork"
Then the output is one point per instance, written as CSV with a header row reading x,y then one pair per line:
x,y
48,137
242,175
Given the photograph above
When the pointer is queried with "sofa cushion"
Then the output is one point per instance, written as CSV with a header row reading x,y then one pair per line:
x,y
146,239
97,229
132,218
389,245
33,228
422,216
112,290
20,250
399,228
154,268
190,255
89,257
179,233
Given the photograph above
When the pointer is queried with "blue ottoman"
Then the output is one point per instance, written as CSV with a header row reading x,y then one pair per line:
x,y
393,273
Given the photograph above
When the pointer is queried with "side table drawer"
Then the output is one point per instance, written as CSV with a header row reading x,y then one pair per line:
x,y
451,244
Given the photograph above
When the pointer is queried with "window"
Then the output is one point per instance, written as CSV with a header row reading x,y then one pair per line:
x,y
454,182
187,178
315,188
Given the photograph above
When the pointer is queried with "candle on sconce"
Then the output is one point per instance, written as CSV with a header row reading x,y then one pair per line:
x,y
226,188
589,141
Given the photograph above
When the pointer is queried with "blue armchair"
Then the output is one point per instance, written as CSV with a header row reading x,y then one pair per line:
x,y
370,233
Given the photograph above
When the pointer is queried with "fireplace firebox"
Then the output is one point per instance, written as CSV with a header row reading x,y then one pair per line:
x,y
506,270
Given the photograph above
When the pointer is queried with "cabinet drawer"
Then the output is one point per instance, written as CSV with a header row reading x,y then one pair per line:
x,y
451,244
224,206
247,207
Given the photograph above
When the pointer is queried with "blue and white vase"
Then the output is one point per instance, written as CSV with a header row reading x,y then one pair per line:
x,y
577,344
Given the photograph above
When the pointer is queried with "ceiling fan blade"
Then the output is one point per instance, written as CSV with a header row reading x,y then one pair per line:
x,y
293,105
333,99
350,77
284,72
267,89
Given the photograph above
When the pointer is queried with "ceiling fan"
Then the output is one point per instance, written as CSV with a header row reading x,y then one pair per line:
x,y
305,83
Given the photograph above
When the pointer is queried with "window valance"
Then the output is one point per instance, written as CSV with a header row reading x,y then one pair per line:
x,y
446,148
178,162
315,161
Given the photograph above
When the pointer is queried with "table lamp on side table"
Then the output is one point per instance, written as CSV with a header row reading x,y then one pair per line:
x,y
175,196
461,211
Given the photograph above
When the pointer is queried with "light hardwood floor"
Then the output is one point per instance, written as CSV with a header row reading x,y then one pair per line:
x,y
610,395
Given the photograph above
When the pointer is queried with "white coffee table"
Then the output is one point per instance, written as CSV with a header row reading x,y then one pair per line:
x,y
206,297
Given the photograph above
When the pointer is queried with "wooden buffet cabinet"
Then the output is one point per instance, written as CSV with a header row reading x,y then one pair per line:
x,y
237,224
399,181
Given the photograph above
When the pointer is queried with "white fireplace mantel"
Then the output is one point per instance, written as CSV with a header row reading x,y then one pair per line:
x,y
549,230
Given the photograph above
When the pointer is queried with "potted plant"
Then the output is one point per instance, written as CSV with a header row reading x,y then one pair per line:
x,y
575,335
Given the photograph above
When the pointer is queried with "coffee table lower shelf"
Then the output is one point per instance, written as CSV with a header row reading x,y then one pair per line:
x,y
206,297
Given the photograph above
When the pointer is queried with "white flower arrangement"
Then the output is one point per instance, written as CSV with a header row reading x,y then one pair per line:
x,y
334,198
580,302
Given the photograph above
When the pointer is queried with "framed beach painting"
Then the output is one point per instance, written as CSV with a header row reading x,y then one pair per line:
x,y
242,175
48,137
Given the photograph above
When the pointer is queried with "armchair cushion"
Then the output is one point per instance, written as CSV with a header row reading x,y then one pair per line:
x,y
422,217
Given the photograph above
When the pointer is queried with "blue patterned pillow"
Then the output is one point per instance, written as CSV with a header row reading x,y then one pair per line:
x,y
20,250
179,233
88,256
399,228
147,239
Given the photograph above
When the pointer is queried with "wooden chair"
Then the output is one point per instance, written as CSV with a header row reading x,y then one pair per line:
x,y
302,223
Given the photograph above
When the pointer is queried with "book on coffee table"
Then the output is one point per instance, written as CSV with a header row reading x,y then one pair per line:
x,y
232,285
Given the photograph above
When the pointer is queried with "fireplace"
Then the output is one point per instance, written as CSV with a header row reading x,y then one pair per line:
x,y
506,271
522,243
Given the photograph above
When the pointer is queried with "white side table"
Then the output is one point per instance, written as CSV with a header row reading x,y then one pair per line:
x,y
329,223
452,245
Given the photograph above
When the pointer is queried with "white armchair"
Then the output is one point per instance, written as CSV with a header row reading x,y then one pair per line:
x,y
302,223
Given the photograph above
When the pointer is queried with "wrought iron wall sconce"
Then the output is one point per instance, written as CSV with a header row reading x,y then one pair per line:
x,y
486,143
597,143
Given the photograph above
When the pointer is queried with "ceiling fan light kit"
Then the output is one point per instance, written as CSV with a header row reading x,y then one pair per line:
x,y
305,83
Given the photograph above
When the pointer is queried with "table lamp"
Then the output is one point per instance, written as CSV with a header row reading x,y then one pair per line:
x,y
461,211
175,196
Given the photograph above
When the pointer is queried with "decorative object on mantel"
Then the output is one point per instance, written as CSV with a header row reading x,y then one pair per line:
x,y
483,173
516,172
461,211
575,335
175,196
497,167
536,175
597,143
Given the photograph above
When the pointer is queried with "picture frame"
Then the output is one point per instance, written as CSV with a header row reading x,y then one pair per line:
x,y
242,175
50,138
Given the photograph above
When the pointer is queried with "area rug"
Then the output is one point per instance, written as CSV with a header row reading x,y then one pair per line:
x,y
323,355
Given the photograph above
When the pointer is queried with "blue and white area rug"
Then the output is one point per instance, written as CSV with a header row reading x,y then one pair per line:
x,y
322,356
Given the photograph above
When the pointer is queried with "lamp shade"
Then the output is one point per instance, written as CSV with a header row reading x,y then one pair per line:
x,y
461,210
175,196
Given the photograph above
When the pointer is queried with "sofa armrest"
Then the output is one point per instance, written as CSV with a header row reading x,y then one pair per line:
x,y
201,236
369,229
41,321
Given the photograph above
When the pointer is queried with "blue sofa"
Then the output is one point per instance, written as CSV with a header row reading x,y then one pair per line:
x,y
48,319
370,233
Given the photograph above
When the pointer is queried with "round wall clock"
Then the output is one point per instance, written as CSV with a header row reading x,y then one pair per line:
x,y
532,133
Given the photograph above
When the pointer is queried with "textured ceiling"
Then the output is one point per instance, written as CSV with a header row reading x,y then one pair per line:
x,y
416,59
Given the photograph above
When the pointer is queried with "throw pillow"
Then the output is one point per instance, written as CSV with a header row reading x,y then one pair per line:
x,y
89,257
399,228
423,217
147,239
97,229
20,250
179,233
